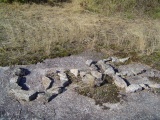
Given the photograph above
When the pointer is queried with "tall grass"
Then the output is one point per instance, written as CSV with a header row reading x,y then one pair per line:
x,y
31,33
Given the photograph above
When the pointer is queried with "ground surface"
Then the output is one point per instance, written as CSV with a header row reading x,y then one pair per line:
x,y
69,105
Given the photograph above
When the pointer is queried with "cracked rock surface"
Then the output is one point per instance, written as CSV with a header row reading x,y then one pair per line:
x,y
54,98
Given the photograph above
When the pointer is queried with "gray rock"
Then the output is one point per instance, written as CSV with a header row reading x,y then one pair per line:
x,y
107,60
22,94
82,74
75,72
93,67
119,81
154,86
20,72
104,66
96,74
133,88
110,71
123,60
115,59
46,82
55,90
14,80
64,79
100,62
89,62
144,86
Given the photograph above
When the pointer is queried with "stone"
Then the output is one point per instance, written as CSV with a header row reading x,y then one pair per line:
x,y
107,60
64,79
154,86
14,80
110,71
22,94
123,60
115,59
119,81
54,90
98,82
75,72
82,74
89,62
96,74
144,86
89,79
100,62
20,72
133,88
93,67
46,82
105,66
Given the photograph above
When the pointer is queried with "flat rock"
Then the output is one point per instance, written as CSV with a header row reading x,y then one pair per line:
x,y
75,72
21,72
93,67
64,79
14,80
96,74
82,74
110,71
133,88
154,86
123,60
55,90
89,62
119,81
22,94
46,82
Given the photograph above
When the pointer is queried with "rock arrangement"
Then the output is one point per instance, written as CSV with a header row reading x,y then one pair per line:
x,y
55,83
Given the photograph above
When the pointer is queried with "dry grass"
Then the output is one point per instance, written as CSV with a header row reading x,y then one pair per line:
x,y
31,33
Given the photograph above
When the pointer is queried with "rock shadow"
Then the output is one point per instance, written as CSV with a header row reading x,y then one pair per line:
x,y
21,82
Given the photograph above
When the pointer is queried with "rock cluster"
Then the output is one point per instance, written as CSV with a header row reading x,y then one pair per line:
x,y
56,82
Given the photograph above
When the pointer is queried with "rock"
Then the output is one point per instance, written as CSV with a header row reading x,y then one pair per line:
x,y
154,86
89,79
133,88
64,79
109,71
22,94
46,82
82,74
107,60
119,81
144,86
14,80
98,82
21,72
123,60
93,67
96,74
89,62
54,90
105,66
75,72
100,62
115,59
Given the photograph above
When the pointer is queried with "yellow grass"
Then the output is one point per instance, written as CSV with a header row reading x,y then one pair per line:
x,y
34,32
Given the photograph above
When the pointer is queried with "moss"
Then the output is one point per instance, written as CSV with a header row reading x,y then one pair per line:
x,y
108,92
155,79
